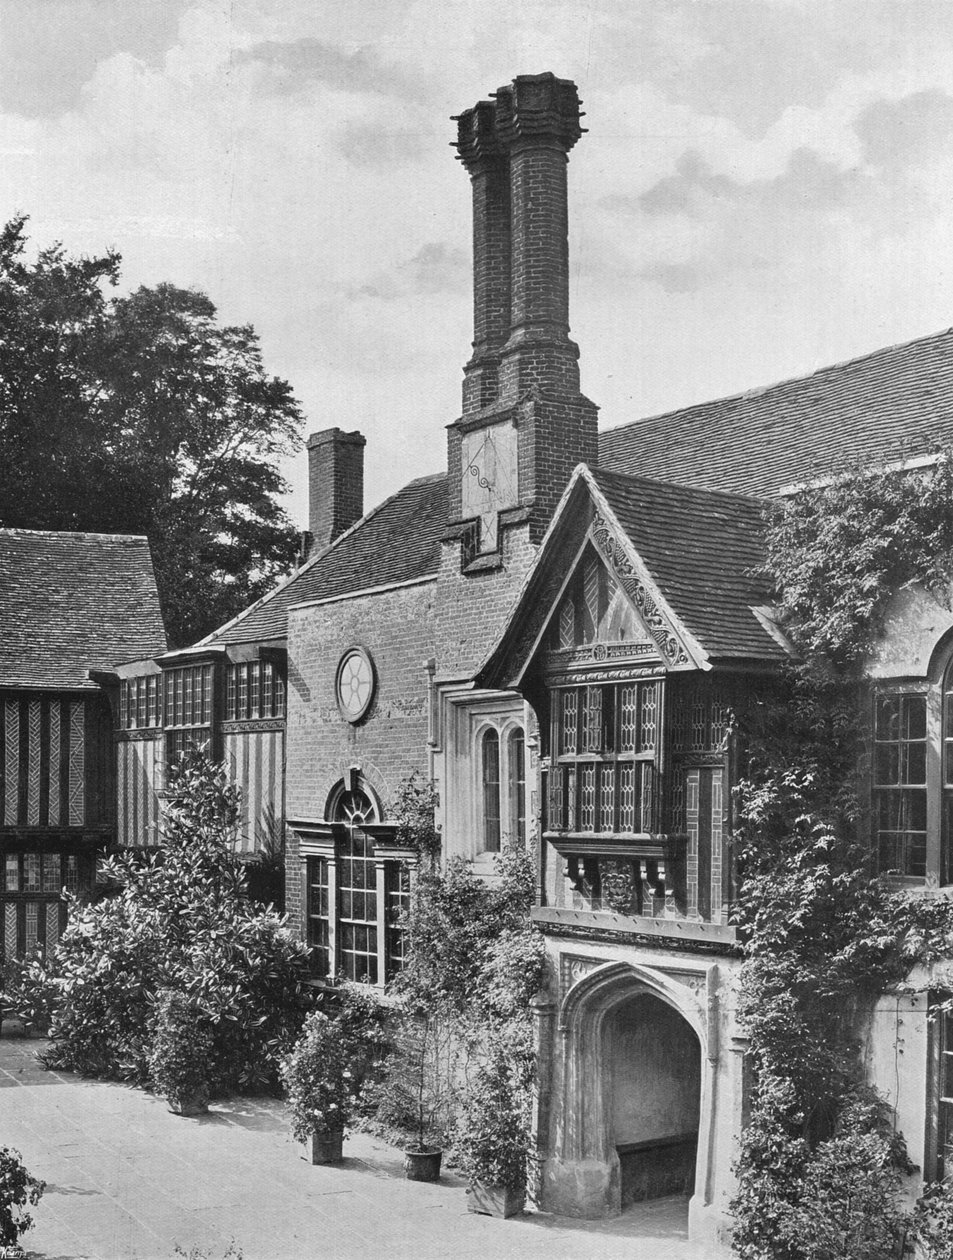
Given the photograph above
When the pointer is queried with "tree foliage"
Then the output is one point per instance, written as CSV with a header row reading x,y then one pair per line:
x,y
820,1171
142,414
180,921
18,1190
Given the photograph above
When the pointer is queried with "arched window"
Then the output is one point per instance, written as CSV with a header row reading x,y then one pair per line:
x,y
355,895
357,891
517,780
492,812
912,777
502,783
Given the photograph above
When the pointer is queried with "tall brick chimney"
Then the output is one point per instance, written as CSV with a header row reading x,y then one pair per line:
x,y
486,160
537,122
525,425
335,484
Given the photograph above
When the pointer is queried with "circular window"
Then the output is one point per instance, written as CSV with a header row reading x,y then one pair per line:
x,y
354,685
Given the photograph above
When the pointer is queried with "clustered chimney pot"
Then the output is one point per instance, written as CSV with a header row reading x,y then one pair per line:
x,y
515,148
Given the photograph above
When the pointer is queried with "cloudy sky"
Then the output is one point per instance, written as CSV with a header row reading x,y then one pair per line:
x,y
766,186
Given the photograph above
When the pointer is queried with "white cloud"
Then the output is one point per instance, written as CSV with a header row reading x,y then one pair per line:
x,y
293,161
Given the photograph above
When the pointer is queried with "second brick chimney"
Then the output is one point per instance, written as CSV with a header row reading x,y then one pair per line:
x,y
335,484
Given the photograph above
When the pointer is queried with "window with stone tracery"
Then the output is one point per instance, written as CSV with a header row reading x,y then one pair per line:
x,y
502,768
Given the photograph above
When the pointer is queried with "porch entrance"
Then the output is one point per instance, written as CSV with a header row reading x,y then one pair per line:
x,y
653,1071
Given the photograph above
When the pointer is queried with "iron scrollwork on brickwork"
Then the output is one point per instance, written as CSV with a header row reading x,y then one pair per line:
x,y
655,623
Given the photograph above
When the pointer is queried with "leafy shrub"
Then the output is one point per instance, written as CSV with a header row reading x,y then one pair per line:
x,y
453,922
181,1054
819,1173
425,1068
180,920
494,1135
474,965
336,1058
27,993
837,1201
18,1189
933,1222
317,1079
413,809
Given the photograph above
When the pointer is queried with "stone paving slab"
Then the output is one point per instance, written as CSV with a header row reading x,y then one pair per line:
x,y
129,1181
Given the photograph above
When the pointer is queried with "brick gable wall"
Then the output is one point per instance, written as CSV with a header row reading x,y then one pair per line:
x,y
397,628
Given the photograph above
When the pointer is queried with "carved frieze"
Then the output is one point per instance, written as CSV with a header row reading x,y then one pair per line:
x,y
572,968
251,725
622,674
599,652
656,624
694,980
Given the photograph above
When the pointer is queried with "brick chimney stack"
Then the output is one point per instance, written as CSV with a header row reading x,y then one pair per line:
x,y
335,484
537,123
525,425
487,162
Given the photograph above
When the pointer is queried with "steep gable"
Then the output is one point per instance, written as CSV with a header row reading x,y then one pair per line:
x,y
686,561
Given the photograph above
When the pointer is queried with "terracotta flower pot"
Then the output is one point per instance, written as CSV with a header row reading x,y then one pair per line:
x,y
491,1200
423,1164
326,1148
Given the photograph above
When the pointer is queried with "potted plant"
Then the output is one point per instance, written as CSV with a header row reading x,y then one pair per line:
x,y
493,1138
181,1053
18,1188
416,1090
319,1087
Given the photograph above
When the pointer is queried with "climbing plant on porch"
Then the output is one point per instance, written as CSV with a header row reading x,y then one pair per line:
x,y
821,1168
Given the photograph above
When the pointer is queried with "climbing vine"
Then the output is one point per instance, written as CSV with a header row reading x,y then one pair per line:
x,y
821,1168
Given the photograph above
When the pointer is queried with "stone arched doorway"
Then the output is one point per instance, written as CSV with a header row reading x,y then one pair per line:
x,y
631,1093
652,1067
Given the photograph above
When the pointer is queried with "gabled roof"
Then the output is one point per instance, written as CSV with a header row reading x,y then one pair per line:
x,y
703,549
399,541
694,555
70,603
885,406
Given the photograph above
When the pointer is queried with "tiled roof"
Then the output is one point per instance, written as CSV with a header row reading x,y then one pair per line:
x,y
396,542
886,406
702,548
74,602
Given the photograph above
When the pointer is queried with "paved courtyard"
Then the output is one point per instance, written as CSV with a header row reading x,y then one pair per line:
x,y
126,1179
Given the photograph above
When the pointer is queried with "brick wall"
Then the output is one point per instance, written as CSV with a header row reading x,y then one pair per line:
x,y
472,608
397,628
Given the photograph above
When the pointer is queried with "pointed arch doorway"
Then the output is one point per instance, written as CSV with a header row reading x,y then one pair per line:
x,y
653,1069
633,1094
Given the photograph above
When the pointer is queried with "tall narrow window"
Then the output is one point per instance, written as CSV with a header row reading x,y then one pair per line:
x,y
491,790
942,1088
318,915
946,856
517,766
900,792
357,892
188,709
